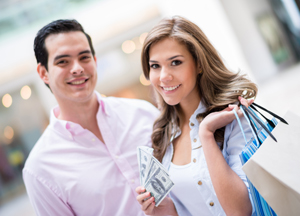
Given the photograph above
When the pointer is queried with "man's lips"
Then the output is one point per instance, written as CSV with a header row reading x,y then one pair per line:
x,y
77,82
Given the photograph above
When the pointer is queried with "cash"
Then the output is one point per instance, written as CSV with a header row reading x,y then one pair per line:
x,y
153,175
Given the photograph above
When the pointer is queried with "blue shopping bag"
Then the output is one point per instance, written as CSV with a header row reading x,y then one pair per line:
x,y
261,128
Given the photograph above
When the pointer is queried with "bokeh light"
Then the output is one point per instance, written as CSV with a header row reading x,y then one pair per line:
x,y
25,92
143,37
144,81
8,132
128,46
7,100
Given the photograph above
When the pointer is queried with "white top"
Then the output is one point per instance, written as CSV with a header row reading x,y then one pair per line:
x,y
232,147
186,191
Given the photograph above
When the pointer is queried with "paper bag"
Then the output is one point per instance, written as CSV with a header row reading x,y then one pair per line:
x,y
274,169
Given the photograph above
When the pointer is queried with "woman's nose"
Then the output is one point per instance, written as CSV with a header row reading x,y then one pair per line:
x,y
165,75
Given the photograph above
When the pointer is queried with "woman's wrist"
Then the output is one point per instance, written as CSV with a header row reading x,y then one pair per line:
x,y
205,134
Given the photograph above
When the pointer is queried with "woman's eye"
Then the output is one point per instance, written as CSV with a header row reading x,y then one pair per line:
x,y
176,62
154,66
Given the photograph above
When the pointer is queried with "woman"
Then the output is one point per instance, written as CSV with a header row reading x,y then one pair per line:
x,y
196,137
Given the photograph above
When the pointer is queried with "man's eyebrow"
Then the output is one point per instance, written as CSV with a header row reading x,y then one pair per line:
x,y
63,56
85,52
60,56
168,58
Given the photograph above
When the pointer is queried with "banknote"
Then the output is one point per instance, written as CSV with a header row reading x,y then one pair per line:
x,y
144,155
154,164
153,175
159,185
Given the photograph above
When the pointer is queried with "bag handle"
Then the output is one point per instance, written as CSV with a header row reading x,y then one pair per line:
x,y
250,124
259,122
268,120
268,111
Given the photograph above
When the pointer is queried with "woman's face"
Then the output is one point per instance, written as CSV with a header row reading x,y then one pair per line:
x,y
173,72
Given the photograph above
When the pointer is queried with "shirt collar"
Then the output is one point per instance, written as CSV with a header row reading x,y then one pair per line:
x,y
193,120
101,100
67,127
200,109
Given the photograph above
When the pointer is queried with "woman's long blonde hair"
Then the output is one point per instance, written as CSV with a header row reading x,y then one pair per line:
x,y
217,86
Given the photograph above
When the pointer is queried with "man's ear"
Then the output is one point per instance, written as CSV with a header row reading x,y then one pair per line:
x,y
43,73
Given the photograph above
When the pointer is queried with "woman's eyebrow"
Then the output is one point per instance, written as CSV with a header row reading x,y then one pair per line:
x,y
175,57
168,58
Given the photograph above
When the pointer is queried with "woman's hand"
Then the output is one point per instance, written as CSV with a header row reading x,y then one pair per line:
x,y
166,207
217,120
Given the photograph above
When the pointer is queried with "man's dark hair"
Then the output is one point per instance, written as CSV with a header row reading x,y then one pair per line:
x,y
55,27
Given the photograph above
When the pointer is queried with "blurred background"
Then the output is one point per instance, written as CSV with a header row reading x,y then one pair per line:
x,y
258,37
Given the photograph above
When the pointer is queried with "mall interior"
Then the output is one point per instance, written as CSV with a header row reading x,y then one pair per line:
x,y
258,37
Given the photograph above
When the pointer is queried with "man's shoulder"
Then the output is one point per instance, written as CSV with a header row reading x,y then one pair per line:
x,y
40,151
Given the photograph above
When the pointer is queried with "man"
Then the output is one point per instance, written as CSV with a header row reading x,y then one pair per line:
x,y
85,162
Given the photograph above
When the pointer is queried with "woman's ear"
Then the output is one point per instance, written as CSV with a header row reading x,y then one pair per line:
x,y
43,73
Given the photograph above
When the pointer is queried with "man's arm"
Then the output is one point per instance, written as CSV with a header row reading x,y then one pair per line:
x,y
43,198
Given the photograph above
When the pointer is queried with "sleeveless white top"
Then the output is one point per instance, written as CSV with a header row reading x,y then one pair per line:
x,y
185,190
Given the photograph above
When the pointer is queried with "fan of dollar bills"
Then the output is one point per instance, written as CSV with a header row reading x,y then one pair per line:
x,y
153,176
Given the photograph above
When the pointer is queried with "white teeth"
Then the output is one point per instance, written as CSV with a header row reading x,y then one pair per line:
x,y
78,82
170,88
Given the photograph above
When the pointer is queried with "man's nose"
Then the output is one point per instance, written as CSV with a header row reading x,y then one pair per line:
x,y
76,69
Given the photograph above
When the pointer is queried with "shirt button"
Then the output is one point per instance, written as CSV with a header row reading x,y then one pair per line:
x,y
93,140
199,182
211,203
192,124
194,160
132,181
195,140
117,157
70,136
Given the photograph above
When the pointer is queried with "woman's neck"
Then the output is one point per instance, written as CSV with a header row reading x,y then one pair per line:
x,y
186,110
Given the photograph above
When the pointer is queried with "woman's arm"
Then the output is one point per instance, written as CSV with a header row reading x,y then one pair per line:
x,y
231,191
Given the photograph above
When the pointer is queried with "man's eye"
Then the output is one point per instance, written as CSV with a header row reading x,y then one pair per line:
x,y
176,62
154,66
85,57
62,62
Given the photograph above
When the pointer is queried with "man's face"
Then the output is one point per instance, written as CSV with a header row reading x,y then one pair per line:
x,y
71,74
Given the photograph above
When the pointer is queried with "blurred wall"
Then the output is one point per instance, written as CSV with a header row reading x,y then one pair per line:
x,y
244,17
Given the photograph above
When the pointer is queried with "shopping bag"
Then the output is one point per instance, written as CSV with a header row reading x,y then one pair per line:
x,y
274,169
261,129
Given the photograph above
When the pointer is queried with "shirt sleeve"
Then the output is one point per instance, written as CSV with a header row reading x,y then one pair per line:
x,y
234,146
43,199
